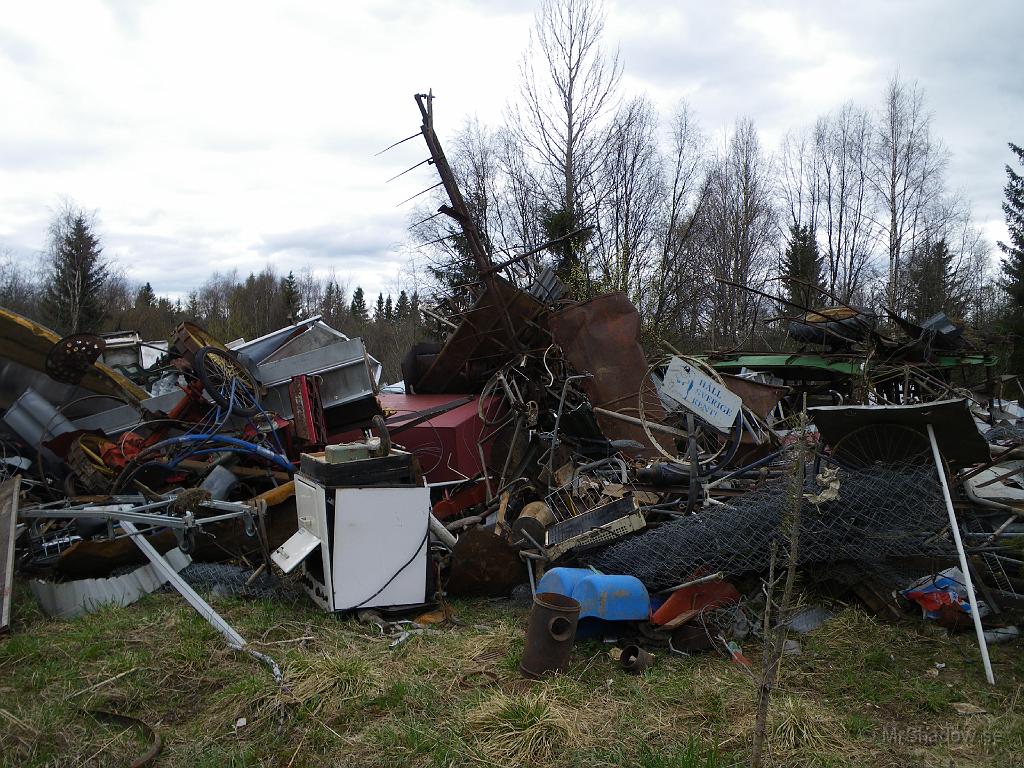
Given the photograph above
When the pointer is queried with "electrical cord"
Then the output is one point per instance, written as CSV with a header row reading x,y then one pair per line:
x,y
426,537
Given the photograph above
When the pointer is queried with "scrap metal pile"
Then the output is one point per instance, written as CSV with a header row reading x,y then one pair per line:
x,y
194,461
537,443
681,479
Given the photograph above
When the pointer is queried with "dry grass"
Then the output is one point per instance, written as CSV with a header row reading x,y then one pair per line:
x,y
453,695
800,725
330,680
525,729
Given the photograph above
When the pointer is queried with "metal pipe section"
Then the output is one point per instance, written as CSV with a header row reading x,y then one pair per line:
x,y
441,533
954,526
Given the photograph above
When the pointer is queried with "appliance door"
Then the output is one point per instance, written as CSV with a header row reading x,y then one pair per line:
x,y
380,546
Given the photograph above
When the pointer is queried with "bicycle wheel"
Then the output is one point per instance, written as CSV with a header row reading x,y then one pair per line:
x,y
226,381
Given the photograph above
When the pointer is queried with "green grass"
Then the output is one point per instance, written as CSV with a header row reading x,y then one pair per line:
x,y
453,696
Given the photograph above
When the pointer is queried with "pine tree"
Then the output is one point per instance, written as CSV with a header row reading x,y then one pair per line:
x,y
402,310
802,267
77,275
378,310
1013,261
290,297
145,298
358,308
389,309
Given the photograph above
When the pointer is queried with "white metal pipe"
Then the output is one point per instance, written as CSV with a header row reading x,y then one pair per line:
x,y
202,607
954,526
441,533
702,580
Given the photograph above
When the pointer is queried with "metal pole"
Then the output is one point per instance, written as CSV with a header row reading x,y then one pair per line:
x,y
203,608
954,526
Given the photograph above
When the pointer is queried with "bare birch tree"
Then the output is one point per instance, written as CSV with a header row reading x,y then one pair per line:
x,y
631,199
679,279
568,86
907,167
740,235
798,171
847,229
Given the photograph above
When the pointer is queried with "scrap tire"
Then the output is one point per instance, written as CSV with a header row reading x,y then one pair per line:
x,y
216,369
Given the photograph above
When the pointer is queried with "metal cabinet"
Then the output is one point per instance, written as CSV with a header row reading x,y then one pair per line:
x,y
359,547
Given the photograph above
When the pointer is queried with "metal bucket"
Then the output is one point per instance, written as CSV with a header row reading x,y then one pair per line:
x,y
550,634
635,660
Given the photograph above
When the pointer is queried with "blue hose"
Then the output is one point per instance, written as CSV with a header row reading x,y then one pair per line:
x,y
244,445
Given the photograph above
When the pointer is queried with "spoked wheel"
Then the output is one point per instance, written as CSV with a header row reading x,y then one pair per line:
x,y
714,449
227,381
881,444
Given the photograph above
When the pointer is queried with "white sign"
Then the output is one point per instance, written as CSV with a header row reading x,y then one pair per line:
x,y
704,396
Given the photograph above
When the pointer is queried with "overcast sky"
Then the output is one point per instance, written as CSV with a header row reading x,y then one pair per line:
x,y
213,135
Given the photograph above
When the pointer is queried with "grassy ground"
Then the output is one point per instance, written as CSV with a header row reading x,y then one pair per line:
x,y
861,693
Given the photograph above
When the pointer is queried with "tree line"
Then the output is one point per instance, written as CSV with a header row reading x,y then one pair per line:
x,y
77,289
853,208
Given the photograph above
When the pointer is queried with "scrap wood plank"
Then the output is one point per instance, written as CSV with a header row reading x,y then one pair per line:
x,y
9,496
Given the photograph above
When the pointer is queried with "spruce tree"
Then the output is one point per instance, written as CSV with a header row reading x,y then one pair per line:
x,y
77,276
329,302
414,307
358,308
389,309
290,297
1013,259
193,310
932,283
802,267
378,310
145,298
402,309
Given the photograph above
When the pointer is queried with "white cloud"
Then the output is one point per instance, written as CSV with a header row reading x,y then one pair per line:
x,y
212,135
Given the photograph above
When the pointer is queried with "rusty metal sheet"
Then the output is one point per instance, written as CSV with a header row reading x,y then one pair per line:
x,y
484,565
480,345
759,398
602,337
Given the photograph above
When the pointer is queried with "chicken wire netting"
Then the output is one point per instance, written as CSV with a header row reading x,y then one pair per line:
x,y
1006,433
879,511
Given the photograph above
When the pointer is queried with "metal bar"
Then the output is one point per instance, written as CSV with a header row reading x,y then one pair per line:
x,y
652,425
969,585
533,584
421,192
403,421
10,495
1000,478
126,512
442,534
550,243
203,608
400,141
460,212
692,583
558,419
413,168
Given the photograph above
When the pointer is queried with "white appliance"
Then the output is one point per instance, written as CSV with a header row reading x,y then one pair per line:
x,y
359,547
